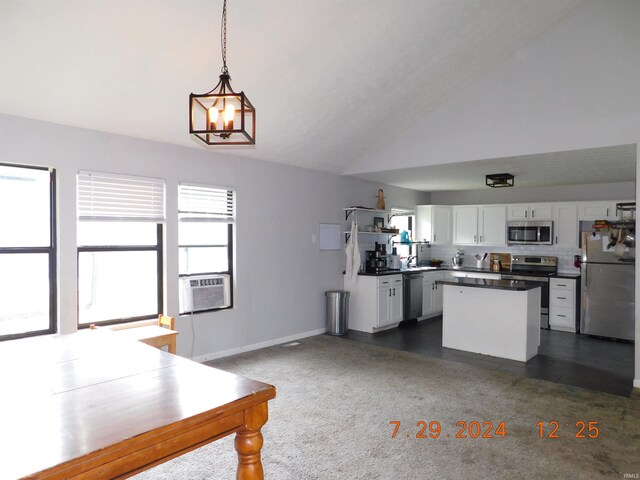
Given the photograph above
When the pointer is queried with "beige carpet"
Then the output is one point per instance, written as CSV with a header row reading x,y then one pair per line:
x,y
336,398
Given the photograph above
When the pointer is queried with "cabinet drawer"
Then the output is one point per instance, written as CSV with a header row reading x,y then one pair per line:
x,y
562,298
562,317
562,283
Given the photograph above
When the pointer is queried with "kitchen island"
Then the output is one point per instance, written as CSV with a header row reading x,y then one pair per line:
x,y
500,318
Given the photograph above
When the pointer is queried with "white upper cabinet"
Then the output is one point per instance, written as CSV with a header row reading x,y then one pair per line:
x,y
530,212
484,225
565,224
433,224
597,211
465,225
492,225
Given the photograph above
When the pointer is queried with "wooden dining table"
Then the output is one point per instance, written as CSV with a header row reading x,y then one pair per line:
x,y
92,405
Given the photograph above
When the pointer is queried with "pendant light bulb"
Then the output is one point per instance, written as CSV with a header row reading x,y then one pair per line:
x,y
229,113
213,117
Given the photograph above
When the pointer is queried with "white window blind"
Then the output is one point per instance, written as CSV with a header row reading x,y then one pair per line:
x,y
201,202
109,196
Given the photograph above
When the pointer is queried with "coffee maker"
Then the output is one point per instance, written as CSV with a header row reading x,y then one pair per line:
x,y
377,259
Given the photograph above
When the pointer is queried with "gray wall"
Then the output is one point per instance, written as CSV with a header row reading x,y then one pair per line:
x,y
565,193
281,275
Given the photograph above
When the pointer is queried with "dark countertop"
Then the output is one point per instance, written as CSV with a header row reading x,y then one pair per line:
x,y
428,269
516,285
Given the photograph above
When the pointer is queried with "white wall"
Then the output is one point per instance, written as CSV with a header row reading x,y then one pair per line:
x,y
564,193
281,275
574,87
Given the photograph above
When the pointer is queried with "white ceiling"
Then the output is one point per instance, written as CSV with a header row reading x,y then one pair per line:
x,y
322,74
575,167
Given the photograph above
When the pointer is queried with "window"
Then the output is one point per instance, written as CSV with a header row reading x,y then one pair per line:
x,y
120,248
205,238
27,251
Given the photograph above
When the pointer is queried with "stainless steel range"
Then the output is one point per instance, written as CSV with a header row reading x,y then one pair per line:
x,y
534,269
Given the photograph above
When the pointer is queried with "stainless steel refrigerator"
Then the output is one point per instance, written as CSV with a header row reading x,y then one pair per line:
x,y
608,288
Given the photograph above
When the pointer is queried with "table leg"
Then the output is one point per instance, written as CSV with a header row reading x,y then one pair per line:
x,y
248,443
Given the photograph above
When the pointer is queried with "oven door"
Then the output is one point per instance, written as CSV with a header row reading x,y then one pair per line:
x,y
544,294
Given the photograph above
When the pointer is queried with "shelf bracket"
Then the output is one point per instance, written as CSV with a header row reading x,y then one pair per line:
x,y
347,213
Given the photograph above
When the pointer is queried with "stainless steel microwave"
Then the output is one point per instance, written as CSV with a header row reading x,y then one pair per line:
x,y
530,233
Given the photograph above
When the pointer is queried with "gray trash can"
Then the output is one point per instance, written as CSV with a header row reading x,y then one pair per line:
x,y
337,312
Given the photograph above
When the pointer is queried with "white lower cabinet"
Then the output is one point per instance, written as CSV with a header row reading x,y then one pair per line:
x,y
432,293
562,304
389,297
375,303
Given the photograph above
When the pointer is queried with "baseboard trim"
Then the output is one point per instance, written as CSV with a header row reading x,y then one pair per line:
x,y
636,383
257,346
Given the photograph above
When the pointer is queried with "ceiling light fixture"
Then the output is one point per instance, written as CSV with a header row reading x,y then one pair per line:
x,y
222,116
497,180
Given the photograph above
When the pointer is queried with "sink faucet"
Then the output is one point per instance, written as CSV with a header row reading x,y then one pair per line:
x,y
409,258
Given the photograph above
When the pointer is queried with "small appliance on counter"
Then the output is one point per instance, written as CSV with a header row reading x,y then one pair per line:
x,y
457,259
376,259
394,260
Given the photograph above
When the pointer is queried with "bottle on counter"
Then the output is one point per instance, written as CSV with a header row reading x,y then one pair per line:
x,y
496,267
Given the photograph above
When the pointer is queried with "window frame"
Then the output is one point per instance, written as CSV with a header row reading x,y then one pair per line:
x,y
230,251
158,248
51,251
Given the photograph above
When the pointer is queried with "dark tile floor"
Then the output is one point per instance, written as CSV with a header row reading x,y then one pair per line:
x,y
565,358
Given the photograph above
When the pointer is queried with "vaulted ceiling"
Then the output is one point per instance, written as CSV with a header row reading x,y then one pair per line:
x,y
331,80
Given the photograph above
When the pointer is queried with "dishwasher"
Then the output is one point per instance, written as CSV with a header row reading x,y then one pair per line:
x,y
412,296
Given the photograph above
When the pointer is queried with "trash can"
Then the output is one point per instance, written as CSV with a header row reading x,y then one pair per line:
x,y
337,312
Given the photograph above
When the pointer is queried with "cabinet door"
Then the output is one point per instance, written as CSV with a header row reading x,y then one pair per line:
x,y
437,298
395,303
424,223
518,212
465,225
540,211
427,292
441,225
596,210
493,225
565,225
384,301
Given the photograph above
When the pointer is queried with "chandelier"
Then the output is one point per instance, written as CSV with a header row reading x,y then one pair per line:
x,y
222,116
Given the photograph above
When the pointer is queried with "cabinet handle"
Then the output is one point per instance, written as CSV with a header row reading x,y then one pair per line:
x,y
561,285
432,286
474,238
434,238
561,298
525,214
556,238
394,291
533,214
389,292
563,316
481,237
607,212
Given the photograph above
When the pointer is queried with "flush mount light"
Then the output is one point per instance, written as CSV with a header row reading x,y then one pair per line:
x,y
222,116
499,180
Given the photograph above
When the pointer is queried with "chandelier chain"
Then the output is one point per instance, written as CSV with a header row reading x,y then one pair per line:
x,y
223,39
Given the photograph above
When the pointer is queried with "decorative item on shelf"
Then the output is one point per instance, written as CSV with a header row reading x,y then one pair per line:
x,y
497,180
222,116
601,225
378,223
380,205
390,230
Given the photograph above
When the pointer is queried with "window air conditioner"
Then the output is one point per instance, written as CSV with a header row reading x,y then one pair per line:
x,y
204,292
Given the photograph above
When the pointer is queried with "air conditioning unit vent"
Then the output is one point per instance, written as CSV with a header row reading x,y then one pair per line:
x,y
204,292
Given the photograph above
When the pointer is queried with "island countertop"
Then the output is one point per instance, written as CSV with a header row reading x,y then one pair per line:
x,y
516,285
